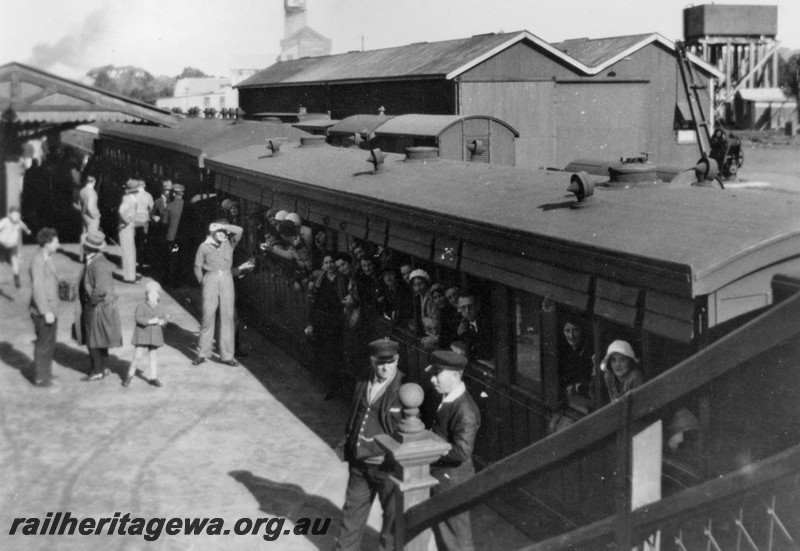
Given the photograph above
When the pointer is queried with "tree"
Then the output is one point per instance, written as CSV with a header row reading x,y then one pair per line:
x,y
789,75
191,72
132,82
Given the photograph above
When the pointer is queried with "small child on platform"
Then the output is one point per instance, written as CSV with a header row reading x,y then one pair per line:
x,y
148,335
11,228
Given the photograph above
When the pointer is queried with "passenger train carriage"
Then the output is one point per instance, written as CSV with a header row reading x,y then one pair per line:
x,y
669,268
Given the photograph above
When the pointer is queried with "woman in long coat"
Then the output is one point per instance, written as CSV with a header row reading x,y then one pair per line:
x,y
100,327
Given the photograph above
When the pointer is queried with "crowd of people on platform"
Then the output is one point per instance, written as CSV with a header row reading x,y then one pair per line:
x,y
349,292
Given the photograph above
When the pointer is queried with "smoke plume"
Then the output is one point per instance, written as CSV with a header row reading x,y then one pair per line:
x,y
71,50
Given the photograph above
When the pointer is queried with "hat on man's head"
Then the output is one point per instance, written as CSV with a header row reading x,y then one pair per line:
x,y
94,240
167,184
420,273
131,186
384,349
446,359
280,216
179,188
151,286
226,204
215,227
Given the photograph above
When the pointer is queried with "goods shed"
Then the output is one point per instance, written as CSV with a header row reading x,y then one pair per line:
x,y
599,98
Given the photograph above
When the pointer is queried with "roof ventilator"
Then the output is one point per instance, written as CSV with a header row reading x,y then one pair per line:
x,y
582,186
476,148
376,157
274,146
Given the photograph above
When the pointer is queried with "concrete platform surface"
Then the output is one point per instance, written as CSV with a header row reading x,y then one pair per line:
x,y
248,442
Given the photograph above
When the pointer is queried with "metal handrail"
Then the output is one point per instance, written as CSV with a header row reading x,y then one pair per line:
x,y
757,336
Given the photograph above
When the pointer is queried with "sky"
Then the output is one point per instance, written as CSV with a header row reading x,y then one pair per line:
x,y
68,38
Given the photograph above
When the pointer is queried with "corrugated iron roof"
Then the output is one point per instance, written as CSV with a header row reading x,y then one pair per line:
x,y
427,125
32,96
421,59
534,205
450,58
203,138
593,52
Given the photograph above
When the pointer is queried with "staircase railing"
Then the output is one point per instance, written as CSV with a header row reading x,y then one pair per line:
x,y
767,332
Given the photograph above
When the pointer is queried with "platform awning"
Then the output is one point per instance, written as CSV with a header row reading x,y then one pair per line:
x,y
31,99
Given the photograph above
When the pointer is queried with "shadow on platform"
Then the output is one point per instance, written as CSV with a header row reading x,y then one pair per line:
x,y
78,360
17,360
290,501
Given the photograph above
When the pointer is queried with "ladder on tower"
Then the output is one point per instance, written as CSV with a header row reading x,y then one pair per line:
x,y
691,88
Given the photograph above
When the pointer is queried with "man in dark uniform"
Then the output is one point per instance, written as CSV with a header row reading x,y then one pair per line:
x,y
376,410
457,421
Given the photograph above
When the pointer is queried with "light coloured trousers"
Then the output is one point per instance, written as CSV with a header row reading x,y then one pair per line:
x,y
217,292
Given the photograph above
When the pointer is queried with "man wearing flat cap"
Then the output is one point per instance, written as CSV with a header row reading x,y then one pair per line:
x,y
376,410
175,235
457,421
212,268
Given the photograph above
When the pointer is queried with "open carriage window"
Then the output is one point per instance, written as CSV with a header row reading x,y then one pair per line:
x,y
528,340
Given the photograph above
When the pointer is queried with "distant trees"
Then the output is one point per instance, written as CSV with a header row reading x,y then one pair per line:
x,y
136,83
191,72
789,75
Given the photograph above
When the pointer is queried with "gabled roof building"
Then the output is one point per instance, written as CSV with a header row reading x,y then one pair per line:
x,y
601,98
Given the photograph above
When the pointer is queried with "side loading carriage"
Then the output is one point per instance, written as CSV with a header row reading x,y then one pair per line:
x,y
673,269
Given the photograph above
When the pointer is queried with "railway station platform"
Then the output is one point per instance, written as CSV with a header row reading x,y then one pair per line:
x,y
215,442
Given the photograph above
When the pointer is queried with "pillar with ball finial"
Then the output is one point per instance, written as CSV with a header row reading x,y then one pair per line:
x,y
413,449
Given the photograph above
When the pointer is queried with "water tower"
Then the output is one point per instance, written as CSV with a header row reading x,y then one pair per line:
x,y
740,41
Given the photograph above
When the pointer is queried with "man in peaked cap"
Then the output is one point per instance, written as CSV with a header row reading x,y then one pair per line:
x,y
457,421
376,410
176,257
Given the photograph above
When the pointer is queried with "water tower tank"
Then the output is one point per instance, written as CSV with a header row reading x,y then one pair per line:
x,y
730,20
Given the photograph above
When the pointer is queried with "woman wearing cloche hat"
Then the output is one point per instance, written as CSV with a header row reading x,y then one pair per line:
x,y
620,369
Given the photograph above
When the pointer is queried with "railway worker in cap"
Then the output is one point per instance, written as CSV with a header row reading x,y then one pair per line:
x,y
376,410
144,206
457,421
212,268
100,327
127,239
90,213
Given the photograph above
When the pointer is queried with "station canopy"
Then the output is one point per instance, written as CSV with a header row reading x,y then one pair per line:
x,y
35,102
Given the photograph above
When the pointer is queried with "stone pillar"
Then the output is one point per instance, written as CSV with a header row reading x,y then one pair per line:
x,y
413,449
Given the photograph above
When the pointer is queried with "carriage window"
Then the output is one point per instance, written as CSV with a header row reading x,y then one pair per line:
x,y
528,339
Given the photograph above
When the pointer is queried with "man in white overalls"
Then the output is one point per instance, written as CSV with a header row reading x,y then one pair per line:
x,y
212,268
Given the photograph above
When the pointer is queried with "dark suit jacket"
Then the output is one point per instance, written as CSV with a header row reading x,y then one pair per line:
x,y
389,409
457,422
44,280
480,343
